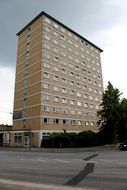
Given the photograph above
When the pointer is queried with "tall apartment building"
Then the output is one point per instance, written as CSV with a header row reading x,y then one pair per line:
x,y
58,82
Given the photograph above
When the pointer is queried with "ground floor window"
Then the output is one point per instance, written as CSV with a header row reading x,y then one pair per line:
x,y
17,138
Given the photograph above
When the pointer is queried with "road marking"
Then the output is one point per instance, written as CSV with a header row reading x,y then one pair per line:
x,y
42,160
89,168
90,157
65,161
110,173
36,185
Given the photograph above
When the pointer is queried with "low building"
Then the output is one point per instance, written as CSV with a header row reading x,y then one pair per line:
x,y
5,135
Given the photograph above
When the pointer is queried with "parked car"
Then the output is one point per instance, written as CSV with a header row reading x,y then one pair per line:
x,y
123,146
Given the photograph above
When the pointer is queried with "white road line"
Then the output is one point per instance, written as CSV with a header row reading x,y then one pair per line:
x,y
37,186
41,160
65,161
112,173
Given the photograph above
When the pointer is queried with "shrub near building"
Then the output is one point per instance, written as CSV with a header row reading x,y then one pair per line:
x,y
70,140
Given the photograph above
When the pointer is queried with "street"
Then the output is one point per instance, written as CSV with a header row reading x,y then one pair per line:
x,y
101,169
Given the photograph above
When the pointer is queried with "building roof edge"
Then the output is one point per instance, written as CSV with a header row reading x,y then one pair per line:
x,y
61,24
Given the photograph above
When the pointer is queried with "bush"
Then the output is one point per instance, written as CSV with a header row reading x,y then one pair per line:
x,y
67,140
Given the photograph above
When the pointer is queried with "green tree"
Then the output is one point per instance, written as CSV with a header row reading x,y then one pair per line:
x,y
109,114
122,127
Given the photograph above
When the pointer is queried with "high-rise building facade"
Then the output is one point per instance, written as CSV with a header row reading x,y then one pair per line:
x,y
58,83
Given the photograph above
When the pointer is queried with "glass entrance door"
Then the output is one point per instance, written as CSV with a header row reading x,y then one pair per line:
x,y
26,141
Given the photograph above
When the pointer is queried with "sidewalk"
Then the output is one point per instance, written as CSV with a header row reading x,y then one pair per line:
x,y
20,185
61,150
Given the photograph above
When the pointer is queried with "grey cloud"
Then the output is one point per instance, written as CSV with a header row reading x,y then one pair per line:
x,y
84,16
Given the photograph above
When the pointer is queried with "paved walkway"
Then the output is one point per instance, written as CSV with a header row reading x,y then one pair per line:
x,y
58,150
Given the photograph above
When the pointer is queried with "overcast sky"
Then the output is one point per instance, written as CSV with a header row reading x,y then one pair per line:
x,y
103,22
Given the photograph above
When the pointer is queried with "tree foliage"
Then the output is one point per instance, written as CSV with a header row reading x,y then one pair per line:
x,y
113,115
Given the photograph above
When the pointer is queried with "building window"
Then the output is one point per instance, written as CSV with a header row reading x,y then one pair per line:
x,y
63,62
64,90
79,94
71,92
62,37
71,74
55,68
70,49
17,138
83,70
64,100
63,71
47,20
47,29
56,99
90,97
47,46
76,60
56,121
63,45
46,85
46,65
27,53
91,105
46,108
85,95
55,50
79,103
71,83
77,68
72,102
78,85
46,120
92,123
64,80
86,123
63,54
55,88
56,110
65,111
55,41
46,97
55,34
79,112
96,99
72,112
76,38
90,89
71,66
47,55
85,105
69,34
56,59
73,122
55,78
46,75
65,121
84,87
47,37
62,30
55,25
69,41
76,45
79,122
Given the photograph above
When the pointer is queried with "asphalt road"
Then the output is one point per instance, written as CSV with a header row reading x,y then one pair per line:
x,y
101,169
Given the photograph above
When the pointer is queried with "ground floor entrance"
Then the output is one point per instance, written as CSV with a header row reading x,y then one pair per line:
x,y
26,141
